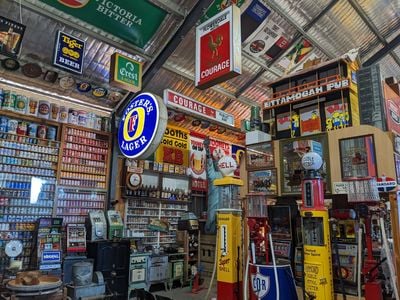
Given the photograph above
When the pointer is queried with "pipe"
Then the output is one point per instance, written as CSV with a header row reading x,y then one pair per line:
x,y
215,265
359,260
246,279
274,264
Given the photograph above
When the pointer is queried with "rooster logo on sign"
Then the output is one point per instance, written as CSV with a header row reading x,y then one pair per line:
x,y
214,45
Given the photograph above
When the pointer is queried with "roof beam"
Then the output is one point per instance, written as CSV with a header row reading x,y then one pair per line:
x,y
189,22
382,52
320,15
359,10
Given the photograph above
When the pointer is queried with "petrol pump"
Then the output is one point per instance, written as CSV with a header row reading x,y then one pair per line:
x,y
229,232
318,277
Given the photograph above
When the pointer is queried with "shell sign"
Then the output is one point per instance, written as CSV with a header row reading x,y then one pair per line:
x,y
218,48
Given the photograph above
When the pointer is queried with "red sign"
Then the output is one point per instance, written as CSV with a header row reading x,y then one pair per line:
x,y
183,103
199,185
392,101
218,48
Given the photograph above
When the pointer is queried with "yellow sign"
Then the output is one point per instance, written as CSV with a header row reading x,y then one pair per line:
x,y
229,240
174,147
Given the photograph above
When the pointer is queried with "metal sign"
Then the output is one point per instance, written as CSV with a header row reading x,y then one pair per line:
x,y
11,34
218,48
69,52
126,73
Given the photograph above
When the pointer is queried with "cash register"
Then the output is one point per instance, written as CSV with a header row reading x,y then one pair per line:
x,y
115,224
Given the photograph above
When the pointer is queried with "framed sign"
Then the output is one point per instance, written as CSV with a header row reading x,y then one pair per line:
x,y
264,181
357,157
69,52
397,166
260,156
11,34
126,73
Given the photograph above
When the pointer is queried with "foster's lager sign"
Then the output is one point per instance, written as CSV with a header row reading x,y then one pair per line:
x,y
142,126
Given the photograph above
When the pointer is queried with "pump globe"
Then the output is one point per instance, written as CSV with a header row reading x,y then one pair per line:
x,y
311,161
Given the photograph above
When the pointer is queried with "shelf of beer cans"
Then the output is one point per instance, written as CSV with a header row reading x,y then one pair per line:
x,y
83,174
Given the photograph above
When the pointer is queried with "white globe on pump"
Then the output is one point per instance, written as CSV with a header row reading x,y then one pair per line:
x,y
311,161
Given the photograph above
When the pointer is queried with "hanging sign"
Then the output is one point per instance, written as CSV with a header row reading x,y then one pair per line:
x,y
11,34
218,48
69,52
126,73
301,95
142,126
183,103
135,22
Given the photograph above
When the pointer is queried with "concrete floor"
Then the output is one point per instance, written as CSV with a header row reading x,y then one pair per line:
x,y
184,293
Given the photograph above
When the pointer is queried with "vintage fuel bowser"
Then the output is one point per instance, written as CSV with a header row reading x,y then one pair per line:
x,y
318,277
229,232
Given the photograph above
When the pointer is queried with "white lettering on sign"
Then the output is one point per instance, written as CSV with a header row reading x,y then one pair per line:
x,y
214,69
260,285
129,71
117,13
306,93
182,102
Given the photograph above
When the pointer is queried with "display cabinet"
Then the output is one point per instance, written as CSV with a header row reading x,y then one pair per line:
x,y
291,152
260,156
28,166
83,173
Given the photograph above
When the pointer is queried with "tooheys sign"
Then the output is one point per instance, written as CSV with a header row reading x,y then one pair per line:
x,y
142,126
218,48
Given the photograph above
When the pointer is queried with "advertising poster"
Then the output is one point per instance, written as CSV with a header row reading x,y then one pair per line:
x,y
397,166
11,34
295,55
69,52
174,147
197,158
310,120
263,182
336,115
392,101
258,45
283,121
219,149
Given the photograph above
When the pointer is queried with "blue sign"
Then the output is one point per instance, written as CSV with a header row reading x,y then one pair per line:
x,y
69,52
51,256
142,125
258,11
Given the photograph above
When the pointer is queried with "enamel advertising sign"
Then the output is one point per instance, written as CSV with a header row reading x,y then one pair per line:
x,y
142,126
218,48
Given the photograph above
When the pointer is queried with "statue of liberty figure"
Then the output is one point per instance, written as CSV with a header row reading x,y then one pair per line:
x,y
213,193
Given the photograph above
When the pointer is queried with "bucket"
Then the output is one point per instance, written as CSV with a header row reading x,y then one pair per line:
x,y
82,273
262,283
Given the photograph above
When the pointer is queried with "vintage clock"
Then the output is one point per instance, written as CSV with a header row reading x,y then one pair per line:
x,y
134,181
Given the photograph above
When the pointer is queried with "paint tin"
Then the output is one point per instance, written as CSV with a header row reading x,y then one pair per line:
x,y
51,133
9,100
73,116
82,118
3,124
21,104
12,126
63,116
22,128
105,124
97,123
44,109
54,111
42,131
33,107
32,129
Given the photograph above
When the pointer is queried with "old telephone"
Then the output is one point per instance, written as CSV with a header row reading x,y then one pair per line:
x,y
96,226
115,224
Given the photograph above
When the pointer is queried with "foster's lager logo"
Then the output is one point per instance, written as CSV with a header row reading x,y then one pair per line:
x,y
139,125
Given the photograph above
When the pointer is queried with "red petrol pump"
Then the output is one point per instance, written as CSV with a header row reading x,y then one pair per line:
x,y
317,257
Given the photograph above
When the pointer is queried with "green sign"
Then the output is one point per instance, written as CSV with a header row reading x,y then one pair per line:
x,y
126,73
132,21
219,5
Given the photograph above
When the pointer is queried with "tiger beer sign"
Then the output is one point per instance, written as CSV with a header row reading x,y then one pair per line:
x,y
142,126
218,48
